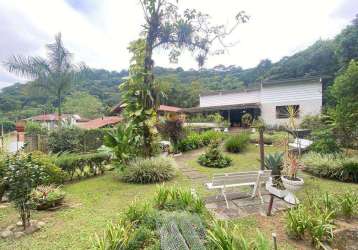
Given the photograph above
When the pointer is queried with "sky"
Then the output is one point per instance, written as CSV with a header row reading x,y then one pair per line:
x,y
98,32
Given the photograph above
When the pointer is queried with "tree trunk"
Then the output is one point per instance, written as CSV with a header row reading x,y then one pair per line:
x,y
149,78
262,149
59,111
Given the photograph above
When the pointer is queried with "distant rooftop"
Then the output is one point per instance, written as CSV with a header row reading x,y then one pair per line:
x,y
100,122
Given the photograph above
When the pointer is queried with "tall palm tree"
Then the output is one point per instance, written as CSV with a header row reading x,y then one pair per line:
x,y
55,74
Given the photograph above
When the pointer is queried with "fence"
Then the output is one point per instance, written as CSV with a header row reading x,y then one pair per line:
x,y
36,143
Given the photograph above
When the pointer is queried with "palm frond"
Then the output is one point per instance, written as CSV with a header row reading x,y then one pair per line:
x,y
59,57
30,67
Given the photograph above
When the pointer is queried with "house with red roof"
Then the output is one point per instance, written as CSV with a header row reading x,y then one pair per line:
x,y
105,121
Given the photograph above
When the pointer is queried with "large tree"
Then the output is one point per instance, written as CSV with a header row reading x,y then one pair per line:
x,y
165,27
84,104
55,73
345,112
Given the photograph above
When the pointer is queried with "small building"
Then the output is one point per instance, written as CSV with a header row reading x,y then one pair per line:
x,y
106,121
270,100
50,121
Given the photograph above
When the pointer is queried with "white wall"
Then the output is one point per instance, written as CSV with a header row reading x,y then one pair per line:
x,y
306,94
222,99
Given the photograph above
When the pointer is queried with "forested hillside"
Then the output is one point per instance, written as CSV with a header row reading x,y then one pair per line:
x,y
325,58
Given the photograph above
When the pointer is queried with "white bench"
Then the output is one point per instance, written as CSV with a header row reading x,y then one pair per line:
x,y
300,144
231,180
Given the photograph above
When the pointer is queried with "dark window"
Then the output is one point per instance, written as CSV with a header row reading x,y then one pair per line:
x,y
282,111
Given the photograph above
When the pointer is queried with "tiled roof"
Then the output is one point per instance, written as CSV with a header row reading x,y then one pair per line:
x,y
100,122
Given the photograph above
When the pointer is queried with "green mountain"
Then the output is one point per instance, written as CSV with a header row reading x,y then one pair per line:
x,y
326,58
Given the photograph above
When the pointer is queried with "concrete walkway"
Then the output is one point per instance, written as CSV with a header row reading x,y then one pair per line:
x,y
189,172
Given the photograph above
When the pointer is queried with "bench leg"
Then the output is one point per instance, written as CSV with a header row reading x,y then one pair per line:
x,y
254,191
261,198
223,193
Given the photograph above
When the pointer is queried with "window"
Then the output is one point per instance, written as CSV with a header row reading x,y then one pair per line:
x,y
282,111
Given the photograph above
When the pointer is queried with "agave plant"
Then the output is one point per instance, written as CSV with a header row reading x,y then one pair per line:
x,y
274,162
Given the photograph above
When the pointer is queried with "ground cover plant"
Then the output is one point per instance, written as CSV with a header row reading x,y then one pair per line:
x,y
150,170
333,166
314,219
237,143
173,215
213,157
176,219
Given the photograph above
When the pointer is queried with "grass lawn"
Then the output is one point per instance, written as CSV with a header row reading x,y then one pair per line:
x,y
245,161
92,203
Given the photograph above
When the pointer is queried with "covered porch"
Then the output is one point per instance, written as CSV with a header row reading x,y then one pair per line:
x,y
231,113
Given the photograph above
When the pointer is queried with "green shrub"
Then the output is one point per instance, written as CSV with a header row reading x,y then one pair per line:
x,y
223,236
332,166
3,169
274,162
7,125
312,122
65,140
348,172
141,214
22,175
213,157
348,204
82,164
174,198
153,170
324,142
268,139
44,197
195,140
246,120
34,129
237,143
116,236
55,174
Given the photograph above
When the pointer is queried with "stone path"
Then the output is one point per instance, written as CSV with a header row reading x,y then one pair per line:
x,y
191,173
241,205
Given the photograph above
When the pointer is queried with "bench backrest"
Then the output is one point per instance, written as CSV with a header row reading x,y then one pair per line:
x,y
240,178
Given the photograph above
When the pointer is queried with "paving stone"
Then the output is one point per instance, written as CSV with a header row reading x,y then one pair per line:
x,y
6,234
19,234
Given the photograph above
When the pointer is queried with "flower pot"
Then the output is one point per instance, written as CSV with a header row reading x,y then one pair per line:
x,y
274,190
292,186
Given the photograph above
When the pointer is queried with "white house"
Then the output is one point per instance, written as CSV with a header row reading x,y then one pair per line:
x,y
50,121
269,100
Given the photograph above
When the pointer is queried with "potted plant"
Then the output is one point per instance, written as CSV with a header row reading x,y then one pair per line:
x,y
274,162
290,180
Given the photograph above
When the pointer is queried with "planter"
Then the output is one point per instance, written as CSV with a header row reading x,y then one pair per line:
x,y
292,186
275,191
49,204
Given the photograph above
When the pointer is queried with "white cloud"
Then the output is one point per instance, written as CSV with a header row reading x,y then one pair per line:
x,y
100,36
